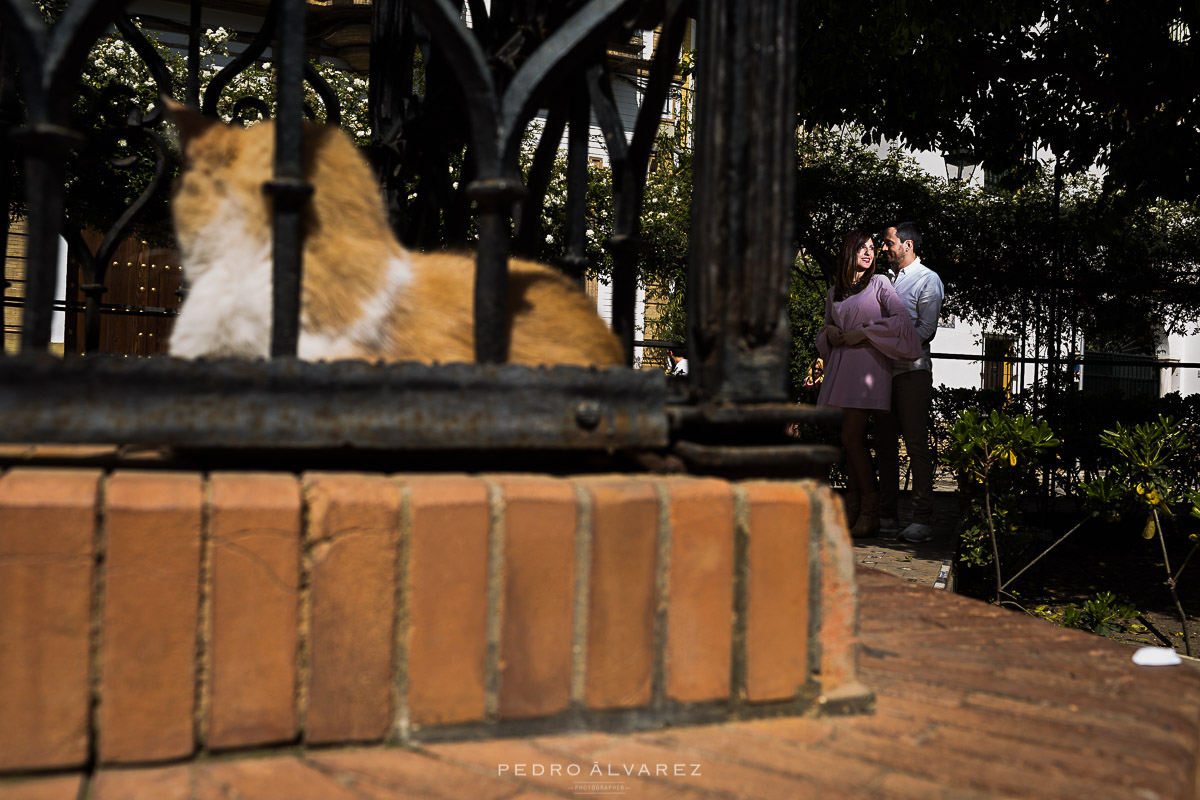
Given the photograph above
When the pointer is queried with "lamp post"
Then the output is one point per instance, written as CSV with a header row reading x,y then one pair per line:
x,y
960,164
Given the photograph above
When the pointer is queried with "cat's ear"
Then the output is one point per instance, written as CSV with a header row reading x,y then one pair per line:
x,y
191,124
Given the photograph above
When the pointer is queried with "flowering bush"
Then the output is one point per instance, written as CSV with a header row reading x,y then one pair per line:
x,y
995,459
1141,479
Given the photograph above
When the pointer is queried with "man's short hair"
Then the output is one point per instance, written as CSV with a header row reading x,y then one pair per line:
x,y
906,231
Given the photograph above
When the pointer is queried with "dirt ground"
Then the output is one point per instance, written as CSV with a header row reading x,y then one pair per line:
x,y
1109,558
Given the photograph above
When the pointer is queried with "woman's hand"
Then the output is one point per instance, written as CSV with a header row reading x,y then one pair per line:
x,y
855,337
833,335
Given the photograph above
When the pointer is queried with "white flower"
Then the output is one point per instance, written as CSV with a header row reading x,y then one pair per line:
x,y
549,239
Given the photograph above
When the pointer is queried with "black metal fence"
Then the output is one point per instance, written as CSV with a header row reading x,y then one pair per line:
x,y
480,87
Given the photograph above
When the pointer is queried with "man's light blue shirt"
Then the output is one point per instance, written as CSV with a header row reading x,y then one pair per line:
x,y
921,291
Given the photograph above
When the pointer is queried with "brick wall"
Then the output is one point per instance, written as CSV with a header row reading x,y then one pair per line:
x,y
149,615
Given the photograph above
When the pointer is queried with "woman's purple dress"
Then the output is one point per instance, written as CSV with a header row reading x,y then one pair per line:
x,y
861,377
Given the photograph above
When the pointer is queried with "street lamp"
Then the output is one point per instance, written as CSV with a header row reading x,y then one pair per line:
x,y
960,164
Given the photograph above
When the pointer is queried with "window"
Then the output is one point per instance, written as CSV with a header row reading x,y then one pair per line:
x,y
997,367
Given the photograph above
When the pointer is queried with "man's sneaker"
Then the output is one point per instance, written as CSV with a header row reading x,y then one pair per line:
x,y
889,525
917,532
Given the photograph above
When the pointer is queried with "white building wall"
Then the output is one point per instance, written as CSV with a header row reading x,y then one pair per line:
x,y
1184,349
627,98
952,372
604,301
1190,376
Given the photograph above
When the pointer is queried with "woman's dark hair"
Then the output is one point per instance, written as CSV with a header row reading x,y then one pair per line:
x,y
847,266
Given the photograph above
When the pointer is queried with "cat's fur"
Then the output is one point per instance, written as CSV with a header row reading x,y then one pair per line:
x,y
363,295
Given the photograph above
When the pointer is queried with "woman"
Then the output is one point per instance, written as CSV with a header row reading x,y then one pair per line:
x,y
816,374
866,327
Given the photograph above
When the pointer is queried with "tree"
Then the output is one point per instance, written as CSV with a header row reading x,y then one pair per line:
x,y
995,250
1091,81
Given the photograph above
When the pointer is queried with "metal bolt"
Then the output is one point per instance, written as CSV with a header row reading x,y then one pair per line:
x,y
587,414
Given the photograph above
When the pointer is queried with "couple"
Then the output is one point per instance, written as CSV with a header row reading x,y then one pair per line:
x,y
875,344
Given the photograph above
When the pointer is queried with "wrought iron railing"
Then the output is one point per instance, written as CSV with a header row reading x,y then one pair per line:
x,y
481,85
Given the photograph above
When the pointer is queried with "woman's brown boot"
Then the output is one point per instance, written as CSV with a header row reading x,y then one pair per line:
x,y
853,500
867,523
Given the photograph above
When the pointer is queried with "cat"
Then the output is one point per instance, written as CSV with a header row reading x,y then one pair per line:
x,y
363,295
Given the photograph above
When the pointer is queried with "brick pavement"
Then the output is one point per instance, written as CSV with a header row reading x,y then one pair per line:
x,y
972,702
923,563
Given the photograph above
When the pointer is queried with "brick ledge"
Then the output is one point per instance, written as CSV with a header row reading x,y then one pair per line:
x,y
182,613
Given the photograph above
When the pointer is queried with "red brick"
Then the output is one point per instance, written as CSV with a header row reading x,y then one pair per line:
x,y
447,599
899,785
392,773
548,764
165,783
540,521
837,629
621,603
778,753
353,529
151,599
998,775
798,730
777,589
66,787
47,527
1073,755
700,593
255,523
280,778
702,774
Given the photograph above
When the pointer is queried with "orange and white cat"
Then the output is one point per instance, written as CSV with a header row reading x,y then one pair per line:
x,y
363,295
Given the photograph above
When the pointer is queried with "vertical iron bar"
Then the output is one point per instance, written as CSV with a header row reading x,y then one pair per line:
x,y
9,117
389,89
624,292
192,91
1054,366
491,273
575,262
289,190
740,259
6,168
92,293
45,178
627,192
529,230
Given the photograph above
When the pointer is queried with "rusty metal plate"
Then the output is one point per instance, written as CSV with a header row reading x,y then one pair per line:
x,y
293,404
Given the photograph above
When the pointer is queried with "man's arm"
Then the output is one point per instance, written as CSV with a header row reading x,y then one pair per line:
x,y
929,308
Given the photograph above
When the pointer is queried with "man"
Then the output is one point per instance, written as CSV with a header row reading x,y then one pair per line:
x,y
679,365
921,291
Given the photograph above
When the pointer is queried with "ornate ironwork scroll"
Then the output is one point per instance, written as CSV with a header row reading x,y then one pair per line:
x,y
132,127
630,161
498,114
49,59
